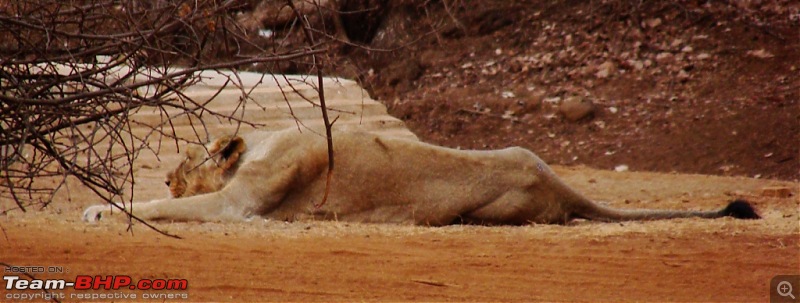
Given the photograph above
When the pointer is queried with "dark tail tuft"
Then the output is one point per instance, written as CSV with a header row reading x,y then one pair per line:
x,y
740,209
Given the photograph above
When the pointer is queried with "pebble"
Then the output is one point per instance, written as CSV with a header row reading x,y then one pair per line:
x,y
576,108
776,192
636,64
552,100
606,70
761,53
664,56
683,75
652,23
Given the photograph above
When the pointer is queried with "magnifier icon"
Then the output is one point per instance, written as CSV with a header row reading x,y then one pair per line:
x,y
785,290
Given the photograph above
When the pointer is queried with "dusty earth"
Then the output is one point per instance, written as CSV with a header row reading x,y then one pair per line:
x,y
678,260
708,87
496,80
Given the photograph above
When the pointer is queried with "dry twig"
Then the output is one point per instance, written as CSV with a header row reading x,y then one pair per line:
x,y
73,72
321,92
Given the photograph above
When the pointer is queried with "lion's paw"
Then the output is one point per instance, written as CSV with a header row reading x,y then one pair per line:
x,y
96,213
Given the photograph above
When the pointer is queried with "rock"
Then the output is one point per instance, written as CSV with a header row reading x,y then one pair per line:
x,y
761,53
636,64
552,100
687,49
703,56
402,71
606,69
600,124
534,101
576,108
664,57
621,168
652,23
776,192
683,75
526,103
528,118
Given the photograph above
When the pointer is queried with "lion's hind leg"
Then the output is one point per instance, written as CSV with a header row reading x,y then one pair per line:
x,y
515,208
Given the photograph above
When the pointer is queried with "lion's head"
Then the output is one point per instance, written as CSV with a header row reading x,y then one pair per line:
x,y
205,169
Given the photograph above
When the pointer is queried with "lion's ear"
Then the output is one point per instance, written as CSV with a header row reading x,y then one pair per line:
x,y
227,150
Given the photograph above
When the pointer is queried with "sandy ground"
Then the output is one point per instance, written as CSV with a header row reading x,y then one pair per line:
x,y
677,260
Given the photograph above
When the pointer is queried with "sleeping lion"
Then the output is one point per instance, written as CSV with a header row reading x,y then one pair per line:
x,y
281,175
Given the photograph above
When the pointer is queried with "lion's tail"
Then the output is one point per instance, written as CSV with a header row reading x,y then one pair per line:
x,y
579,206
582,207
739,209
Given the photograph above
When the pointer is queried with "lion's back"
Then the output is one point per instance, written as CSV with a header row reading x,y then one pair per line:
x,y
272,144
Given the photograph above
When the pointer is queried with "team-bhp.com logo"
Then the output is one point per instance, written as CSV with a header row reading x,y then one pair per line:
x,y
107,288
84,282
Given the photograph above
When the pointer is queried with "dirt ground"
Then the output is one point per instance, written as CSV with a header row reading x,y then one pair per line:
x,y
728,118
685,86
677,260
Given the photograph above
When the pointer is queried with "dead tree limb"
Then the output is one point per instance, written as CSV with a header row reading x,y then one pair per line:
x,y
309,35
73,72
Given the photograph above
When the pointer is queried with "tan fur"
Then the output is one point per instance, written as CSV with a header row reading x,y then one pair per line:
x,y
281,175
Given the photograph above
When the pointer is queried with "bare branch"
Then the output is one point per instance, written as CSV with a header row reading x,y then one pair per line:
x,y
73,72
307,30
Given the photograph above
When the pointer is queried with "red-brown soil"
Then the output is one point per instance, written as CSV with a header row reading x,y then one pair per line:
x,y
696,86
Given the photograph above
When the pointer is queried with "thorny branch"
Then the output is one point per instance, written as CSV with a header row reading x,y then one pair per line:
x,y
309,35
73,72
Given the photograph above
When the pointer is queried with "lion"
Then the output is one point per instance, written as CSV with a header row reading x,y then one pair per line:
x,y
281,175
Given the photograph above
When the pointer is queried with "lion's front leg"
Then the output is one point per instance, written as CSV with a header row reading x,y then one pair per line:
x,y
211,207
96,213
250,193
